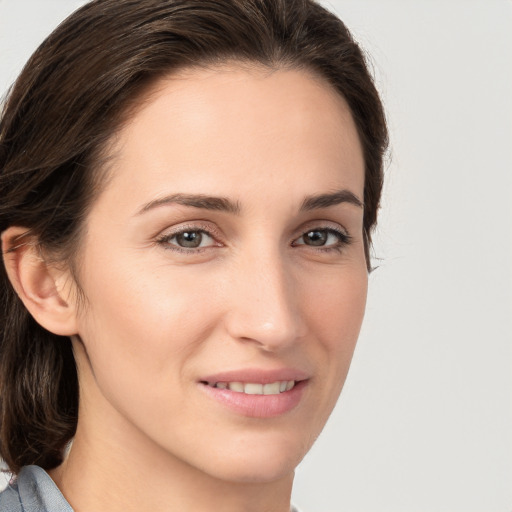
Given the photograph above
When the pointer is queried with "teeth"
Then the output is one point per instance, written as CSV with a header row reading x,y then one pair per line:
x,y
236,386
271,389
253,388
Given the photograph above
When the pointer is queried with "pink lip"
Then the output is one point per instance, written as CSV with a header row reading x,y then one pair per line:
x,y
256,375
257,406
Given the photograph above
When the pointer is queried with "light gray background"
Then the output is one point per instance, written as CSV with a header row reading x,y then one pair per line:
x,y
424,423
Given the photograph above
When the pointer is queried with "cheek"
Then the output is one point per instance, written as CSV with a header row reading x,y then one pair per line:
x,y
337,307
144,319
335,314
139,332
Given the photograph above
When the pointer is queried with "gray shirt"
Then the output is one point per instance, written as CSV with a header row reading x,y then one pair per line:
x,y
35,491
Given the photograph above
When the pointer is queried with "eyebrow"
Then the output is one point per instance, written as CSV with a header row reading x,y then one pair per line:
x,y
330,199
224,204
202,201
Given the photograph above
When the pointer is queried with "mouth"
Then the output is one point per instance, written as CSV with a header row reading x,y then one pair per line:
x,y
257,393
254,388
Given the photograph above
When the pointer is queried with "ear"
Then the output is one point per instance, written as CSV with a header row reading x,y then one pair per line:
x,y
45,290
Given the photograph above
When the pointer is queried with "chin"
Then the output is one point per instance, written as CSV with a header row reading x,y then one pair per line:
x,y
258,462
246,472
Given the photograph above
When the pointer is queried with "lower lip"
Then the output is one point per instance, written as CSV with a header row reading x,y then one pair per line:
x,y
258,406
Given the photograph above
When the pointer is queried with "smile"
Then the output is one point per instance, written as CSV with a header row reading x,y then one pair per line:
x,y
255,399
253,388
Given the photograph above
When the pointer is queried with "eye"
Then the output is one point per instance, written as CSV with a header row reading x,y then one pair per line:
x,y
326,238
188,239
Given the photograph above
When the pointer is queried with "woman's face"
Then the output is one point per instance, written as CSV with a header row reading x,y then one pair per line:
x,y
223,260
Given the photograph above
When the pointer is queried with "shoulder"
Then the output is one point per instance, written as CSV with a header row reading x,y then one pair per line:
x,y
33,491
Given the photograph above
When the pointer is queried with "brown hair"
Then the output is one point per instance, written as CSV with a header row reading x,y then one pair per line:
x,y
62,111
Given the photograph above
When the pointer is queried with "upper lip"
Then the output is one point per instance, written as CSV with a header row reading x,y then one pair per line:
x,y
257,375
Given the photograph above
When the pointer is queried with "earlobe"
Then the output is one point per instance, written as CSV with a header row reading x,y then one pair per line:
x,y
40,286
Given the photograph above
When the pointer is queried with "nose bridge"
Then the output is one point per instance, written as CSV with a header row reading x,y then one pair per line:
x,y
265,307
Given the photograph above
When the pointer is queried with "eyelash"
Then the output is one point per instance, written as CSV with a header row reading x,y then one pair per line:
x,y
343,240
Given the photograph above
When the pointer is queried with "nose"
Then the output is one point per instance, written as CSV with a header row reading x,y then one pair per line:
x,y
265,306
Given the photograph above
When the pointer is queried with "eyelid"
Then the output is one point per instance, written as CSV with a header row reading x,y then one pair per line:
x,y
207,227
322,224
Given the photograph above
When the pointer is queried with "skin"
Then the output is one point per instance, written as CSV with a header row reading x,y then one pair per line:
x,y
253,295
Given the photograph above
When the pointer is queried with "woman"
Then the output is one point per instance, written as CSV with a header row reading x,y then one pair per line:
x,y
188,194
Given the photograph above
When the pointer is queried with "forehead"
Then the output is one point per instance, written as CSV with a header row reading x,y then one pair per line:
x,y
235,125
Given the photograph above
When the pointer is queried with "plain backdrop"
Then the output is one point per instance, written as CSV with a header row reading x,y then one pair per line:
x,y
424,423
